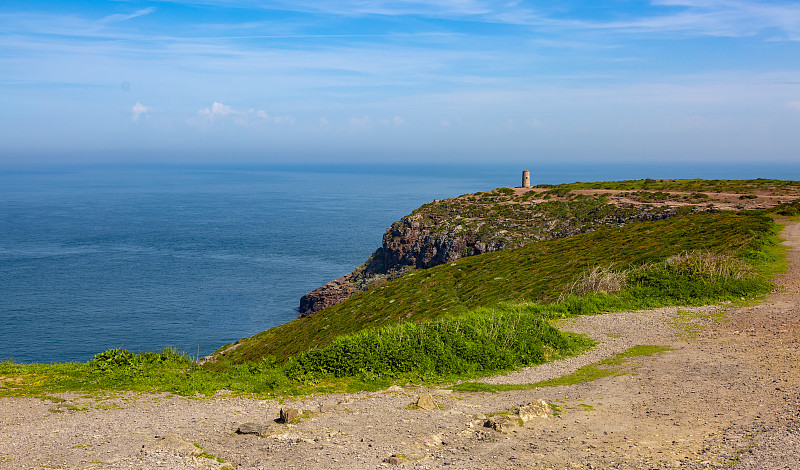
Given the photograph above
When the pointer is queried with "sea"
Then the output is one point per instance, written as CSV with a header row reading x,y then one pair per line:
x,y
143,257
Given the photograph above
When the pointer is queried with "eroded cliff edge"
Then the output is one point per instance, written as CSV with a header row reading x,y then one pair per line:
x,y
443,231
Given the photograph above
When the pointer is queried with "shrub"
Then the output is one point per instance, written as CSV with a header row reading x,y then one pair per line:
x,y
481,342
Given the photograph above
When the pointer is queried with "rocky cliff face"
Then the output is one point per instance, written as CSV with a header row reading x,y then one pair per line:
x,y
444,231
331,293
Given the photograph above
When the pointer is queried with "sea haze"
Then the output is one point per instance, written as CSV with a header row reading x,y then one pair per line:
x,y
141,258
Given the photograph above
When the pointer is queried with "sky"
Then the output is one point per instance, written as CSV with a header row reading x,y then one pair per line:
x,y
449,81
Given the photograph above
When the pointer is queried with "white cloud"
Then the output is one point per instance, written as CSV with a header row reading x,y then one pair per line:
x,y
216,111
219,112
138,110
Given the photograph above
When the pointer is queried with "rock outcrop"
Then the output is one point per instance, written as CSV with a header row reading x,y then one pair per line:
x,y
331,293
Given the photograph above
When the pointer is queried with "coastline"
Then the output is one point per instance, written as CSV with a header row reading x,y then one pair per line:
x,y
725,394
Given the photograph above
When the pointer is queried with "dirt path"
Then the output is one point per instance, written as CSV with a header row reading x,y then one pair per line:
x,y
728,390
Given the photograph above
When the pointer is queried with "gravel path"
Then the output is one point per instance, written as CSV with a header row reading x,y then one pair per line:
x,y
726,395
614,333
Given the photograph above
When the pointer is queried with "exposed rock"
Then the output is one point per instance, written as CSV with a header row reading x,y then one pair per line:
x,y
503,423
395,460
434,440
331,293
288,415
425,402
535,410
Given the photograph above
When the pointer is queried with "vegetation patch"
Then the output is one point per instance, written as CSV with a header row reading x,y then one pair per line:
x,y
586,373
690,323
487,340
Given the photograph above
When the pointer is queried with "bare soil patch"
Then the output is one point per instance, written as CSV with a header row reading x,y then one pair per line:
x,y
727,394
722,201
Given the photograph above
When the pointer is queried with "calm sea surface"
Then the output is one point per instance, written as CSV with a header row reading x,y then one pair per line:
x,y
93,258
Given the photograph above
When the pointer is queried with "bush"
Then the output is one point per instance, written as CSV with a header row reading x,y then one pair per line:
x,y
481,342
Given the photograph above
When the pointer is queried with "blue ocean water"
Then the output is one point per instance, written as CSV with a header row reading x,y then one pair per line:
x,y
141,258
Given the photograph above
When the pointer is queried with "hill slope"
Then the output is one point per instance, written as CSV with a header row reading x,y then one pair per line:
x,y
532,273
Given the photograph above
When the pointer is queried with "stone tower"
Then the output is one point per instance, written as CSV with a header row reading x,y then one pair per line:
x,y
526,179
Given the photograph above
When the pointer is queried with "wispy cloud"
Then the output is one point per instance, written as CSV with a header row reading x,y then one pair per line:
x,y
397,69
712,18
732,18
368,7
118,17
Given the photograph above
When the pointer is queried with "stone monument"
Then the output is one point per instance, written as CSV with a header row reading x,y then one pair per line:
x,y
526,179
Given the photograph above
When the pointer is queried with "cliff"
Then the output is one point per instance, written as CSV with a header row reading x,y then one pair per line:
x,y
472,224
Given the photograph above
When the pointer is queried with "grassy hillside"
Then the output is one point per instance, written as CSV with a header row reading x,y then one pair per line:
x,y
539,272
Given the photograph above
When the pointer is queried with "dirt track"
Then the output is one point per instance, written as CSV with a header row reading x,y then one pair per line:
x,y
728,393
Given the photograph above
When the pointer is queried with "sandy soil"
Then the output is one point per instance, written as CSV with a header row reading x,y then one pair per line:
x,y
726,395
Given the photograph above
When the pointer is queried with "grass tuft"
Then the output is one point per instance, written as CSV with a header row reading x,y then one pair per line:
x,y
600,280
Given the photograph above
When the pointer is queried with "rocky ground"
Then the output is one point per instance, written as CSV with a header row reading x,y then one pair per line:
x,y
727,394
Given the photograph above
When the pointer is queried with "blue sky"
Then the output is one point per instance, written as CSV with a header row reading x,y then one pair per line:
x,y
368,80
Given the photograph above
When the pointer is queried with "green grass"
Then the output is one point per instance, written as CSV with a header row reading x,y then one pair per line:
x,y
484,341
537,273
588,373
